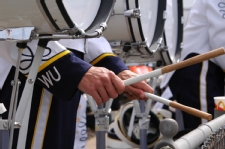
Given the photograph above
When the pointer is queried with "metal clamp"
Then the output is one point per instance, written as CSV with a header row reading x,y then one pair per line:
x,y
101,115
102,123
139,44
143,122
17,34
144,117
133,13
103,25
4,124
159,43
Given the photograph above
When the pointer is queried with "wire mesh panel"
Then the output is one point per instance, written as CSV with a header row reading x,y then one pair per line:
x,y
216,140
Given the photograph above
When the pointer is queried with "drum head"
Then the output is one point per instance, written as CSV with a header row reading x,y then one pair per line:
x,y
82,12
149,12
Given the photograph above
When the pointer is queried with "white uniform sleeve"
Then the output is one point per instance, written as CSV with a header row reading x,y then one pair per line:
x,y
9,51
75,44
96,47
100,54
215,12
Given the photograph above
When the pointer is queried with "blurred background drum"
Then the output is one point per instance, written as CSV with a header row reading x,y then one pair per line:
x,y
137,23
57,16
137,33
173,31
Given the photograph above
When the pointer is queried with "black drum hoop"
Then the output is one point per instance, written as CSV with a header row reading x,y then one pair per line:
x,y
178,47
129,22
165,54
160,21
159,25
180,30
103,14
130,25
64,13
140,28
48,14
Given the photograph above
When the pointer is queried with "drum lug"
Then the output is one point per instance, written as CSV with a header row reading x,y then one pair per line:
x,y
133,13
103,25
159,43
139,44
115,43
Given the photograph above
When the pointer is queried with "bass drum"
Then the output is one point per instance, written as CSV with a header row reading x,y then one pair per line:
x,y
120,37
137,23
173,32
49,16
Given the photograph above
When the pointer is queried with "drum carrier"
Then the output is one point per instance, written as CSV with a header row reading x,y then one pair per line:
x,y
24,20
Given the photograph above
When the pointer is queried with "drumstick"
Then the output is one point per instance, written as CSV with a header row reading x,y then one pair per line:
x,y
179,106
172,67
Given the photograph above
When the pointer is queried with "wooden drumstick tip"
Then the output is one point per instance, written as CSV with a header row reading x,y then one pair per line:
x,y
209,117
194,60
190,110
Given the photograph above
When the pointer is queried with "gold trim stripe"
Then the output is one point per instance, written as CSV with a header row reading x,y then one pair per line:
x,y
50,104
38,114
95,61
55,58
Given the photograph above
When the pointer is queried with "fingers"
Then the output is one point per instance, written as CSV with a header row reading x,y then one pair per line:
x,y
101,84
117,83
133,92
129,96
143,86
97,98
103,94
136,91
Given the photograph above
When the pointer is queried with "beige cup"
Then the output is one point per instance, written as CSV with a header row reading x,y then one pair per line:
x,y
219,103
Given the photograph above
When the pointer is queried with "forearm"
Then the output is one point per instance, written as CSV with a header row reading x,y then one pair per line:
x,y
55,72
61,77
112,63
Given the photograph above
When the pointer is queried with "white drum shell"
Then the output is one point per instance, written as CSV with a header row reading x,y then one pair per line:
x,y
23,13
82,12
120,29
30,13
117,28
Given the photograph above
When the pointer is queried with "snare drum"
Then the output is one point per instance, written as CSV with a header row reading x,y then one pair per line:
x,y
51,16
137,22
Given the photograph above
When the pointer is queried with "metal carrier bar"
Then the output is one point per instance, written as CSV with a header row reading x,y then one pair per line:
x,y
205,131
210,135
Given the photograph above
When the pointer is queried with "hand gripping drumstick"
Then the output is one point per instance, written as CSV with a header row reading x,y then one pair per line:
x,y
166,69
172,67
